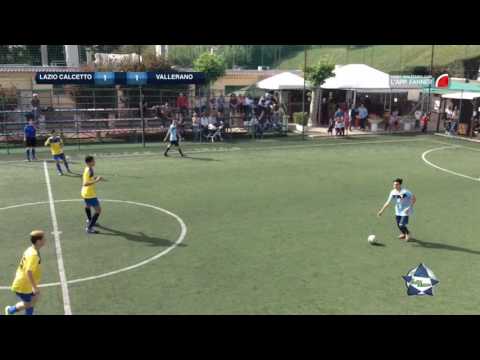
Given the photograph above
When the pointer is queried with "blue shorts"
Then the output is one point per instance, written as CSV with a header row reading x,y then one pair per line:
x,y
92,202
402,220
25,297
59,157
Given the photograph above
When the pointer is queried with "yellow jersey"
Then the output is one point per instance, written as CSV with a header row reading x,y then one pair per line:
x,y
88,192
30,262
56,144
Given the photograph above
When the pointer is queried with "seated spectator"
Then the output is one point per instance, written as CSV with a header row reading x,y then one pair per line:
x,y
204,123
157,111
212,118
167,110
221,119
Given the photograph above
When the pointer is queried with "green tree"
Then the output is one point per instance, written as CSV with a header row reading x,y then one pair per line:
x,y
212,65
316,75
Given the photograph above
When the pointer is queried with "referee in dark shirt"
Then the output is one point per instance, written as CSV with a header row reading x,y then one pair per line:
x,y
30,138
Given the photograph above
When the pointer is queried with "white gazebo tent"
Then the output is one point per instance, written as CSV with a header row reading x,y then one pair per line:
x,y
282,81
462,95
360,78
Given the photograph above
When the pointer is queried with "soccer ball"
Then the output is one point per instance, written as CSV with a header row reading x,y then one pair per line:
x,y
371,239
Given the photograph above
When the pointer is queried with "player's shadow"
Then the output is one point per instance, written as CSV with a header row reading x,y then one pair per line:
x,y
75,175
199,158
107,175
379,244
141,237
432,245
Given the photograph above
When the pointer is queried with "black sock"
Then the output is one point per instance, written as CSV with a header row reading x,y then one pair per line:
x,y
89,214
33,153
404,230
28,154
180,150
66,165
94,220
166,151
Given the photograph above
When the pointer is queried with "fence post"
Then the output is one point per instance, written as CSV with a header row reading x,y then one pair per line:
x,y
141,115
78,132
4,124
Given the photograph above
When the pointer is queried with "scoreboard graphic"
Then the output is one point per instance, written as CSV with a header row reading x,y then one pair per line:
x,y
120,78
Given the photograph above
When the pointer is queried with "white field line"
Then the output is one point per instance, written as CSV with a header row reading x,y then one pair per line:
x,y
236,148
128,268
58,247
424,158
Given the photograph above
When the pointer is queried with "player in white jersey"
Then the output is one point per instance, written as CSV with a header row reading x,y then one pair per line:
x,y
174,140
404,201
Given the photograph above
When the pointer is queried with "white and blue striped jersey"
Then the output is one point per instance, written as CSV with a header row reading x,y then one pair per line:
x,y
173,133
403,200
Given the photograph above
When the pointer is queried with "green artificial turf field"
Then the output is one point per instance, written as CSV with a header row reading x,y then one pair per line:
x,y
274,226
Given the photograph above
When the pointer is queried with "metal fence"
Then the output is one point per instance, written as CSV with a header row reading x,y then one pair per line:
x,y
133,115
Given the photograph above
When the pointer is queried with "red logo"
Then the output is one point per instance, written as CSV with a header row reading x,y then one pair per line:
x,y
442,81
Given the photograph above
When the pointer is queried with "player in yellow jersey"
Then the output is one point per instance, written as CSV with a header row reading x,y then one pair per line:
x,y
89,194
56,147
28,276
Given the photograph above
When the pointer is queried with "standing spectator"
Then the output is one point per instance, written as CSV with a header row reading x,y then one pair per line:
x,y
248,106
454,123
331,125
233,103
35,106
346,118
30,138
339,125
213,103
195,127
448,122
394,120
241,104
182,104
424,120
332,107
363,113
203,103
353,116
221,103
198,105
180,125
